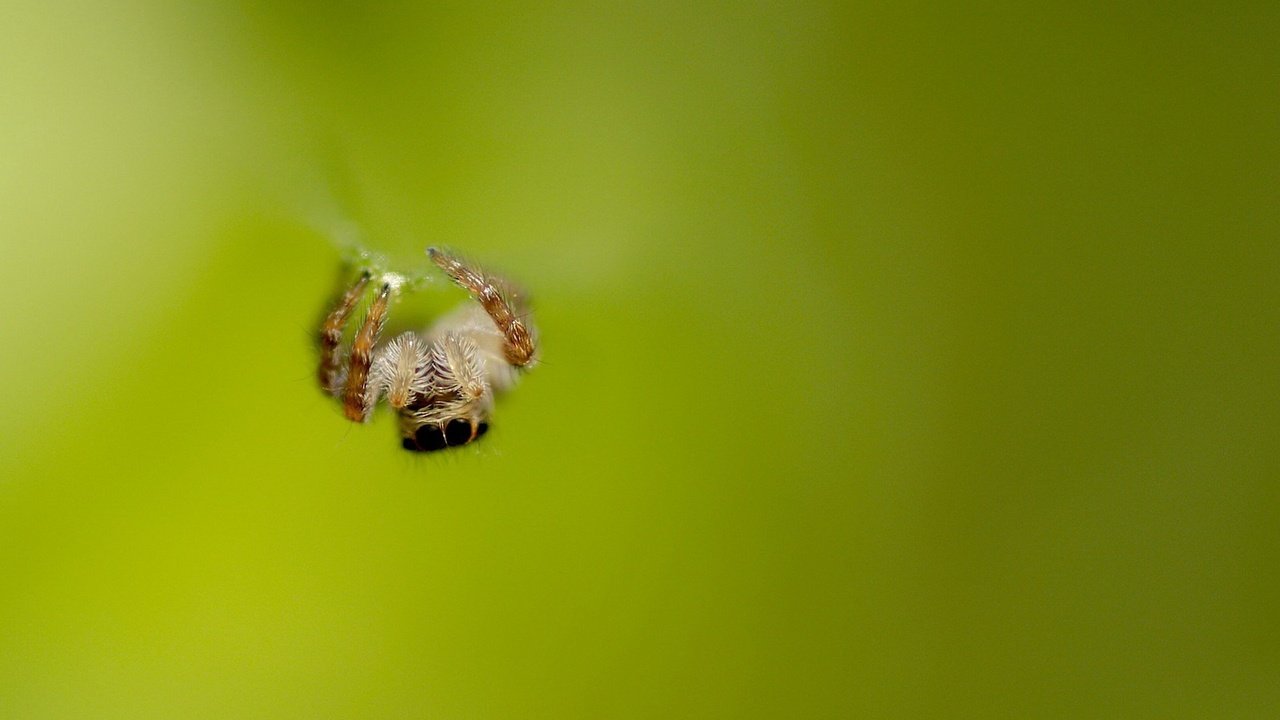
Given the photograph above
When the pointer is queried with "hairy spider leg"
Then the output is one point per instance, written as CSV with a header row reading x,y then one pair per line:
x,y
331,335
357,402
493,295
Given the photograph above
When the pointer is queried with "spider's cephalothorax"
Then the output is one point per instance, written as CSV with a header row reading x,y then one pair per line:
x,y
440,382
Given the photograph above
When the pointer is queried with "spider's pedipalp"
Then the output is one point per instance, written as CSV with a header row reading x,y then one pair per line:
x,y
459,384
456,368
400,370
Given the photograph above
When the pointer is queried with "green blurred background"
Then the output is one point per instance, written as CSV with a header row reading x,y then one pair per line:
x,y
901,360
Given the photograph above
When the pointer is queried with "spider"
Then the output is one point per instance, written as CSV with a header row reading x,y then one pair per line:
x,y
440,382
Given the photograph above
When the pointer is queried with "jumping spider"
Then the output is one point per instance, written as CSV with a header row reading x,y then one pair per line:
x,y
440,382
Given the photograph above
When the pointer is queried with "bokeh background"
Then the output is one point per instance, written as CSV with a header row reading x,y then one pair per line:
x,y
901,360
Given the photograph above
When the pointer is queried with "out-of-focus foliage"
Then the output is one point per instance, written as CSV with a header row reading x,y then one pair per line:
x,y
900,361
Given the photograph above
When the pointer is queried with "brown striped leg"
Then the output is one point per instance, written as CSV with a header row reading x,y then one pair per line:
x,y
356,401
331,335
493,296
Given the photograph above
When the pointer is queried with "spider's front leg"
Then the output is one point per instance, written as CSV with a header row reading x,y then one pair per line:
x,y
329,372
353,387
499,300
358,397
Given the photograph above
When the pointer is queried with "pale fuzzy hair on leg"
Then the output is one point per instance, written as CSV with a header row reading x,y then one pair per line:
x,y
455,366
400,370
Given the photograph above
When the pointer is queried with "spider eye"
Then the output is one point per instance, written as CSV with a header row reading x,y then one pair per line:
x,y
429,438
457,432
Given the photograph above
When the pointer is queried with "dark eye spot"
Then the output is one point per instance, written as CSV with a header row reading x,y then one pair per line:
x,y
430,438
481,429
457,432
